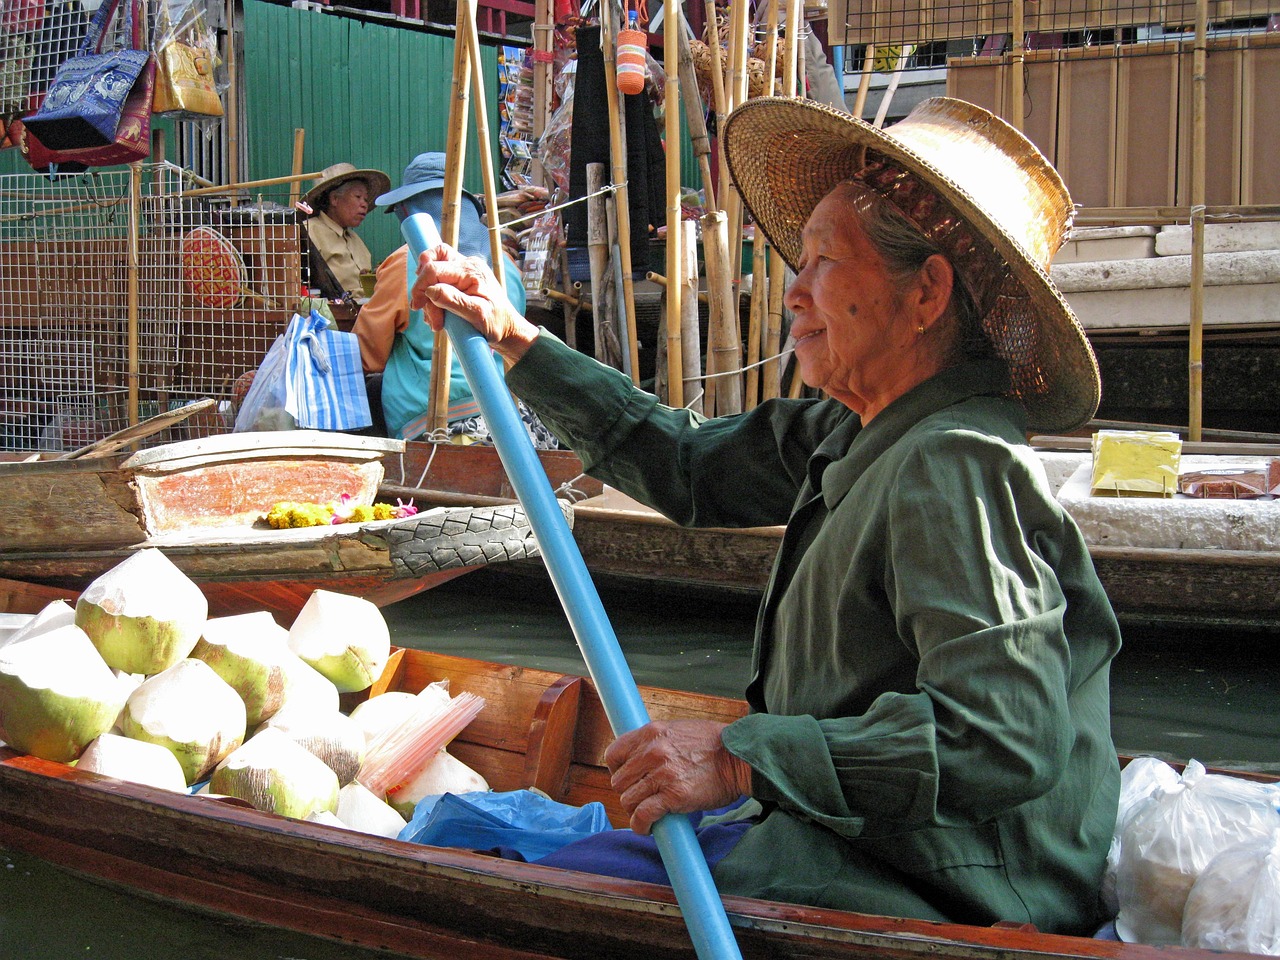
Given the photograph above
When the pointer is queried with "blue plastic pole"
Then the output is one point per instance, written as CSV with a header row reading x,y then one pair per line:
x,y
690,878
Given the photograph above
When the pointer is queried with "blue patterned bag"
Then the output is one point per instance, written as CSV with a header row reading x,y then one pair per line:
x,y
324,378
86,98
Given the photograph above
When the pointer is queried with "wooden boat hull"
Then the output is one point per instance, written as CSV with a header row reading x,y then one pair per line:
x,y
626,542
201,502
537,729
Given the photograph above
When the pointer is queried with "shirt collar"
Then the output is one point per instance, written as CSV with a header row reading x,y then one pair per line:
x,y
851,448
332,224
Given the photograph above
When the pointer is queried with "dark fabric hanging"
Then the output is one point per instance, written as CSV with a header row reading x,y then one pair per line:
x,y
589,143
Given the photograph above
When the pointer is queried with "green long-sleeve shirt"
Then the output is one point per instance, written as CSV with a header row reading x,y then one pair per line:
x,y
930,729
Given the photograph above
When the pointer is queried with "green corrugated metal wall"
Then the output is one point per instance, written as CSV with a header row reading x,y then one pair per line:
x,y
368,94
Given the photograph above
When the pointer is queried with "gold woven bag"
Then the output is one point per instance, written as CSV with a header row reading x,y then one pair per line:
x,y
184,82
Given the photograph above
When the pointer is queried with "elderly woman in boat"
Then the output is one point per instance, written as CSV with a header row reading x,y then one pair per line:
x,y
929,730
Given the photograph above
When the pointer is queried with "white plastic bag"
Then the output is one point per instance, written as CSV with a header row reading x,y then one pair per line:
x,y
1172,836
1139,779
1235,903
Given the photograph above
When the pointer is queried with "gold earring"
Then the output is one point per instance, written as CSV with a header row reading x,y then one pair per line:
x,y
920,329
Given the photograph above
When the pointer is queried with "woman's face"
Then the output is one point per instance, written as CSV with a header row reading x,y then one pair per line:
x,y
856,329
349,204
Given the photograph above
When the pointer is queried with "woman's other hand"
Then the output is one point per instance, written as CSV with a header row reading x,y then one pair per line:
x,y
451,283
676,766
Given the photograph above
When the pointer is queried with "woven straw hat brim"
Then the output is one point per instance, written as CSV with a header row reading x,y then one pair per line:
x,y
785,155
379,183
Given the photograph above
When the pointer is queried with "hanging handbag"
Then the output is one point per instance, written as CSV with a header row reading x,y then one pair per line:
x,y
90,95
185,59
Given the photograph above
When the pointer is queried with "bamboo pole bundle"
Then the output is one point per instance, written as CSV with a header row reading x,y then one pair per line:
x,y
724,393
772,345
756,326
622,203
486,155
456,152
1195,355
604,310
694,111
543,30
672,31
719,97
689,370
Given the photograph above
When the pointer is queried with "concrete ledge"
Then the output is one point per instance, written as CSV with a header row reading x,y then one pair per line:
x,y
1173,241
1107,243
1220,269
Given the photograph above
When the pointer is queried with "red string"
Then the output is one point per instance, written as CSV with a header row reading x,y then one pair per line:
x,y
544,56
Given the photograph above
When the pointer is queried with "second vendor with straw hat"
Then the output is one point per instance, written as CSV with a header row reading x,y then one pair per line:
x,y
929,730
339,201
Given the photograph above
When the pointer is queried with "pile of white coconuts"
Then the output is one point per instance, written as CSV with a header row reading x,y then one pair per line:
x,y
138,683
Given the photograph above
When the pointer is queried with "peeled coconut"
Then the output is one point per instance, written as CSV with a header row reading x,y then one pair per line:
x,y
332,737
248,651
56,694
444,774
134,760
190,710
386,711
327,818
275,774
360,809
143,615
305,689
344,637
54,615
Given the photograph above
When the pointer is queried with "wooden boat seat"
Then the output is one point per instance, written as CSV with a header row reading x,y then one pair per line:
x,y
563,725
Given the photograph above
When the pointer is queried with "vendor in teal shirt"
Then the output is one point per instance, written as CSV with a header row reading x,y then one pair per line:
x,y
929,726
396,347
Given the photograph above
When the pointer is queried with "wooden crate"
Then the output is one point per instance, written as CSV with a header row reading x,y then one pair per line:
x,y
1224,81
1086,145
1146,170
1260,120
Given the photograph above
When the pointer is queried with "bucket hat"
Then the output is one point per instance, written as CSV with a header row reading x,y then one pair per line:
x,y
425,175
973,185
335,175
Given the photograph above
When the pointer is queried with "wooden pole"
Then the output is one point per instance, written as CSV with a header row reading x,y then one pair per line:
x,y
295,188
622,203
1195,358
543,90
719,98
759,260
487,171
864,82
694,111
690,368
672,32
456,154
772,372
1016,57
248,184
604,299
723,355
135,205
232,119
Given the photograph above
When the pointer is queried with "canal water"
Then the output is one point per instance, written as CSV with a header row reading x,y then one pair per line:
x,y
1214,696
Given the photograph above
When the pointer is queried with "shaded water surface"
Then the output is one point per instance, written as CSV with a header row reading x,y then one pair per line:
x,y
1175,694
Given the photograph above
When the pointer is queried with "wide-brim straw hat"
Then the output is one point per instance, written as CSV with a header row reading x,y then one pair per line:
x,y
973,185
335,175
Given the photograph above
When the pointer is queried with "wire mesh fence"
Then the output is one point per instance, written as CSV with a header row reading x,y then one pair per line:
x,y
1103,87
215,279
